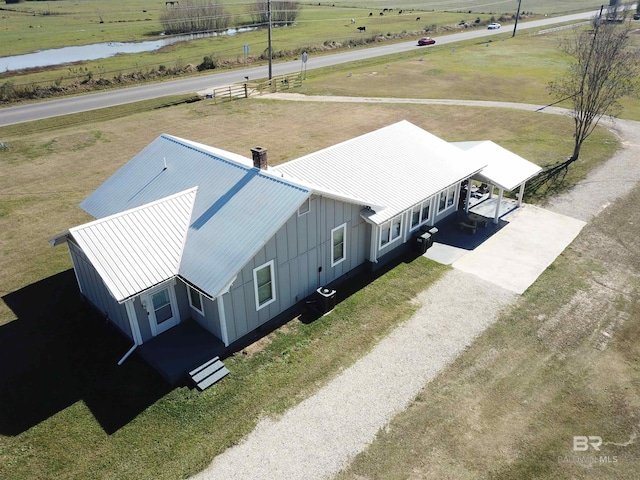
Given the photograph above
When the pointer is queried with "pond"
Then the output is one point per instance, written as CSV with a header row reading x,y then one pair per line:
x,y
59,56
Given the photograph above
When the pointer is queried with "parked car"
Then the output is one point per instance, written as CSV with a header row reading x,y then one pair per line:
x,y
636,16
493,26
426,41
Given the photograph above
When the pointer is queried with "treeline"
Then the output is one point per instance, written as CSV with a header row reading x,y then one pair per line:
x,y
191,16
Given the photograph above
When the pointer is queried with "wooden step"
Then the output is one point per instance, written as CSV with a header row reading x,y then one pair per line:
x,y
208,373
211,379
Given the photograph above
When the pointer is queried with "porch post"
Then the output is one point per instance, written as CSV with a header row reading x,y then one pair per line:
x,y
521,194
223,321
491,190
468,199
497,214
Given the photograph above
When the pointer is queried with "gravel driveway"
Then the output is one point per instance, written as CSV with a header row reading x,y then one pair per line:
x,y
320,436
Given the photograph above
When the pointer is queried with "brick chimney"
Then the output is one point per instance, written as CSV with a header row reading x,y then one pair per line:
x,y
259,155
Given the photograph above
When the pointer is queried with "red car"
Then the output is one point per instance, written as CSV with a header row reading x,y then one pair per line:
x,y
426,41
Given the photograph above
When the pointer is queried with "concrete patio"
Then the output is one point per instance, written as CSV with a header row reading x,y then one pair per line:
x,y
511,254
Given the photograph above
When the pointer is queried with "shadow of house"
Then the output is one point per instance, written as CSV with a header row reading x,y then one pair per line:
x,y
60,351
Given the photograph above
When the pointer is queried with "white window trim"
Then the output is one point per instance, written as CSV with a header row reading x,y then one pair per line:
x,y
189,290
446,197
419,207
307,202
147,304
389,224
269,264
342,227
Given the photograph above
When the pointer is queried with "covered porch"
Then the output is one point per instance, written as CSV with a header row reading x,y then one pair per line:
x,y
505,171
180,349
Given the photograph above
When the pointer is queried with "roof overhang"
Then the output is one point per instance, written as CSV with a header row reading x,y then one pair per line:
x,y
504,169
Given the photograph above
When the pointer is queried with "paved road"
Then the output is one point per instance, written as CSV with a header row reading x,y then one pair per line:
x,y
68,105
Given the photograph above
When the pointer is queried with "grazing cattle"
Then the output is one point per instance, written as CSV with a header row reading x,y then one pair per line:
x,y
385,9
381,13
417,18
399,12
353,20
371,14
174,3
362,29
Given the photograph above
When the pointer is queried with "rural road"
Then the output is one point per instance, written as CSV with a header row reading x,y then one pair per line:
x,y
94,101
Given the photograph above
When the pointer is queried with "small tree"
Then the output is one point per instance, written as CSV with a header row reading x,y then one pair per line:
x,y
605,69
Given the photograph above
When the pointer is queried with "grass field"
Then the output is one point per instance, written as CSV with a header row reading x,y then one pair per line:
x,y
520,393
66,23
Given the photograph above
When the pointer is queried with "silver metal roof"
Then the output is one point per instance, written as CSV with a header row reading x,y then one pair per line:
x,y
139,248
390,169
504,168
236,209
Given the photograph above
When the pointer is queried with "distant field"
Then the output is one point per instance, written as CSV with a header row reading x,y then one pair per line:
x,y
31,26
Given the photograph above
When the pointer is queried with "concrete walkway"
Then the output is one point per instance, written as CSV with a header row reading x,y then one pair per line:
x,y
320,436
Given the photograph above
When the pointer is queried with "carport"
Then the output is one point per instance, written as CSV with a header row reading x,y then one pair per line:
x,y
505,171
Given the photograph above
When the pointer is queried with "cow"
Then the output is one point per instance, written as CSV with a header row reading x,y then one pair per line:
x,y
362,29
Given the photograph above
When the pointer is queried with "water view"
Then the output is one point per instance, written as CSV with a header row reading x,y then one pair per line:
x,y
58,56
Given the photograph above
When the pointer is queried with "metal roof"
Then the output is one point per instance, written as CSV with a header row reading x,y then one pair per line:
x,y
390,169
139,248
237,208
504,168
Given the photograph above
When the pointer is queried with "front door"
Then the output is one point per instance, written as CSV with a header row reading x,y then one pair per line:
x,y
161,306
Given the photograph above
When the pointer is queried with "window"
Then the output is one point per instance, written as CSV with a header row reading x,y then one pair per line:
x,y
415,217
443,201
263,283
424,214
420,214
338,241
395,228
305,207
451,196
195,300
385,234
390,231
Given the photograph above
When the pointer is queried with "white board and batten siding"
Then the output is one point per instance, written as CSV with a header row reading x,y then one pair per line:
x,y
94,289
298,250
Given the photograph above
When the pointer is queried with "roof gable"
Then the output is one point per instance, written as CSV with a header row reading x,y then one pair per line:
x,y
504,168
236,210
390,169
139,248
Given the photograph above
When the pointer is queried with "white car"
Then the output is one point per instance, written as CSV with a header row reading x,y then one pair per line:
x,y
493,26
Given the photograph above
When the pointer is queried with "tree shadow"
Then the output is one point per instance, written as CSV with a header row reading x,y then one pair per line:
x,y
60,351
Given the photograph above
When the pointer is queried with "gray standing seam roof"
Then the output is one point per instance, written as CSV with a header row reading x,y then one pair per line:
x,y
237,208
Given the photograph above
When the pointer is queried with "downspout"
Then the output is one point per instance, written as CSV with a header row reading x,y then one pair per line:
x,y
135,331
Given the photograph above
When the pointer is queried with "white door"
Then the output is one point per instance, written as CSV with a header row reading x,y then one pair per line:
x,y
161,307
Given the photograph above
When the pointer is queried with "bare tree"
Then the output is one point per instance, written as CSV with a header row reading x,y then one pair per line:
x,y
195,17
605,70
283,12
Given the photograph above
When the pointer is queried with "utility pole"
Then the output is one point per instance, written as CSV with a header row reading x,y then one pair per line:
x,y
269,38
517,17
